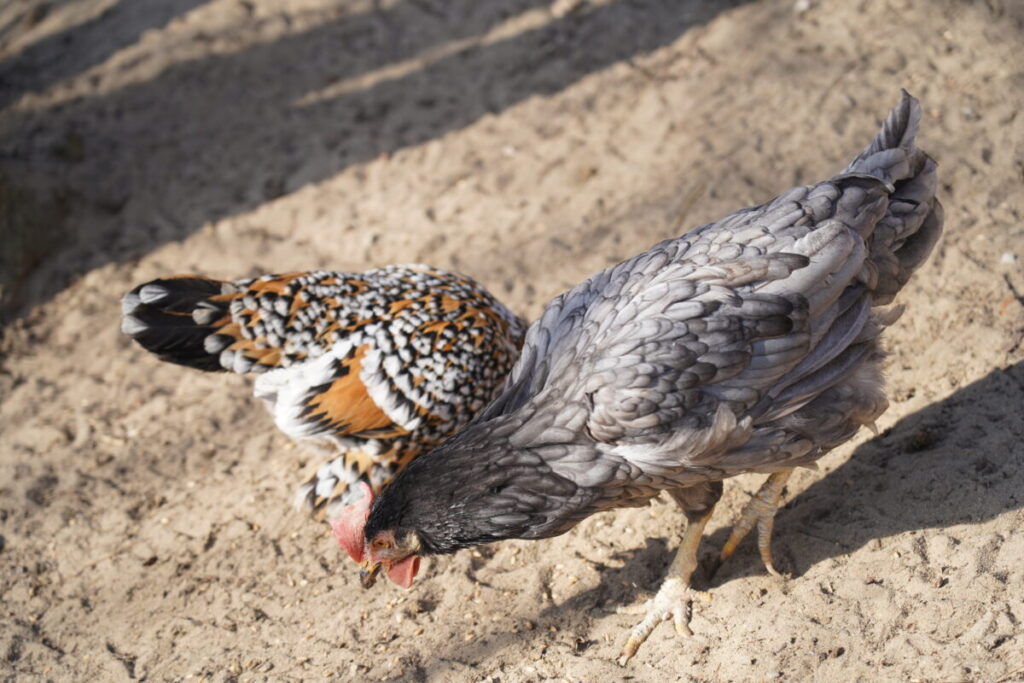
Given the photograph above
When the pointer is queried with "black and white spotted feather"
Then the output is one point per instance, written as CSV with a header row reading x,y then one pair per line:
x,y
370,368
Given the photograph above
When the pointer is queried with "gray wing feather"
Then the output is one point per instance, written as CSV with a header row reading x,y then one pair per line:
x,y
710,354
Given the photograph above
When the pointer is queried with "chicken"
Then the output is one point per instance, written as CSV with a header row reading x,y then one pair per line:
x,y
370,369
746,345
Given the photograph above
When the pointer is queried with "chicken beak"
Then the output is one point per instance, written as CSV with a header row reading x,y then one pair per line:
x,y
368,574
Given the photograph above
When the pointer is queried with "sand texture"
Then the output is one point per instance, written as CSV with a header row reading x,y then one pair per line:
x,y
146,531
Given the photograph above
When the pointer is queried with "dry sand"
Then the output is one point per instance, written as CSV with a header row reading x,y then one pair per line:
x,y
144,509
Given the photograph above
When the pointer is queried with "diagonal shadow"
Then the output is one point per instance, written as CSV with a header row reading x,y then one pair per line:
x,y
83,46
77,49
151,148
957,461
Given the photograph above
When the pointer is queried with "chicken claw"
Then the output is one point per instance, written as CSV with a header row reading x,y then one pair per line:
x,y
673,600
760,511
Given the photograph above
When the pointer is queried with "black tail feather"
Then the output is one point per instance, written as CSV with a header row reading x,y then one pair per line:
x,y
159,315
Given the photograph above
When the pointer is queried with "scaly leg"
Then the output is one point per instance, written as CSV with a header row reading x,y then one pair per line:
x,y
760,511
672,600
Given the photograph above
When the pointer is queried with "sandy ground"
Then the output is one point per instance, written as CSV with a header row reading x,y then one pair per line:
x,y
144,509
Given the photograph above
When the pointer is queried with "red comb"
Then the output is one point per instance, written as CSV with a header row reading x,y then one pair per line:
x,y
348,527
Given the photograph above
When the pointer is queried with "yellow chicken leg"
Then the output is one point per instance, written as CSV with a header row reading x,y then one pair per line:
x,y
759,511
672,600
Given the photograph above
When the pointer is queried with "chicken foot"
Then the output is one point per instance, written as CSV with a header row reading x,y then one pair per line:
x,y
760,511
672,600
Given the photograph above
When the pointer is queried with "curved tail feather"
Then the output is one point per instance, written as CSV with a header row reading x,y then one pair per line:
x,y
912,224
889,199
892,156
173,317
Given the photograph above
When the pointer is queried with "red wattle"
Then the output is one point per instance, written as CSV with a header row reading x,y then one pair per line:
x,y
402,573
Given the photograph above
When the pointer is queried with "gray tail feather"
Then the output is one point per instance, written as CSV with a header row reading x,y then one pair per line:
x,y
892,156
899,129
912,224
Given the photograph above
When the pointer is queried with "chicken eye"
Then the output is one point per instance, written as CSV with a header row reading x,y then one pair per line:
x,y
380,543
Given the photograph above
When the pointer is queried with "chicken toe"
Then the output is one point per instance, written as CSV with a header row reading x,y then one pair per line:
x,y
760,511
674,599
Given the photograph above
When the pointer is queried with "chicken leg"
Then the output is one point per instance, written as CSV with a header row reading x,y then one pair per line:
x,y
672,600
760,511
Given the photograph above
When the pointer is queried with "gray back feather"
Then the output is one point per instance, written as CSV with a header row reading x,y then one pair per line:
x,y
748,344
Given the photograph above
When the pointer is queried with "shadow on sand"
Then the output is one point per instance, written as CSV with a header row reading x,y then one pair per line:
x,y
207,138
74,50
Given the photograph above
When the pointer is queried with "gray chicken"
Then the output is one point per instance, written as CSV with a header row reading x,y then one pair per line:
x,y
747,345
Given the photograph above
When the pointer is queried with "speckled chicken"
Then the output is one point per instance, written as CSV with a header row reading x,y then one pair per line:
x,y
746,345
371,369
